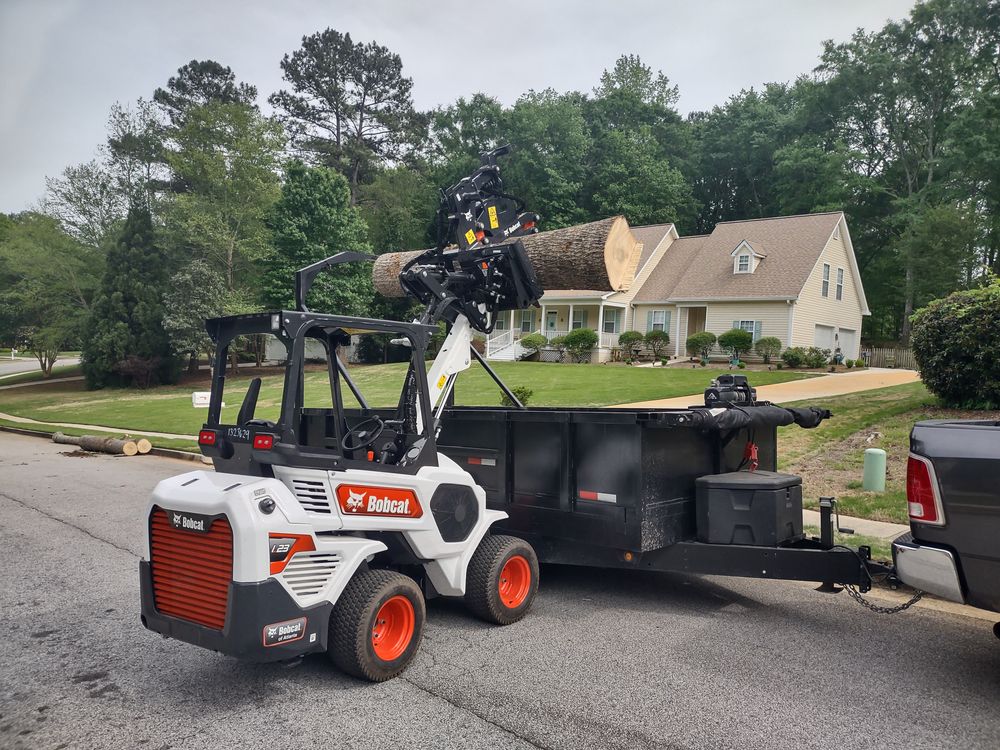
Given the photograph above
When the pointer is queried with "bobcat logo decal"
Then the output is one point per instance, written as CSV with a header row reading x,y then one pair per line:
x,y
177,519
355,500
391,502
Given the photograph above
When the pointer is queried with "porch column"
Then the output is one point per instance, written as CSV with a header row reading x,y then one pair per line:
x,y
569,323
677,346
511,326
600,326
542,329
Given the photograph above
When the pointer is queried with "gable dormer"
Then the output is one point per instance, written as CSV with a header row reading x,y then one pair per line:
x,y
746,257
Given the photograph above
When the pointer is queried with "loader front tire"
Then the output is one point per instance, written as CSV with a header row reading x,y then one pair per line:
x,y
502,579
376,625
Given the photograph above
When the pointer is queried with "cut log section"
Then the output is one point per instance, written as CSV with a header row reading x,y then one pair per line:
x,y
98,443
601,256
144,446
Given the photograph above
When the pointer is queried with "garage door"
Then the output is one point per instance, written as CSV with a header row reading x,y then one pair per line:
x,y
849,343
824,337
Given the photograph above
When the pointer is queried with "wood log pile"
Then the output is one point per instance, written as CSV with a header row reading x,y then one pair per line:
x,y
102,444
601,255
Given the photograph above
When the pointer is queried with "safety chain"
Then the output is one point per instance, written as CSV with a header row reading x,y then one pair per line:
x,y
856,596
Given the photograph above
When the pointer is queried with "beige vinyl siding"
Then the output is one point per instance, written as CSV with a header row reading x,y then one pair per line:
x,y
643,273
640,315
813,308
773,317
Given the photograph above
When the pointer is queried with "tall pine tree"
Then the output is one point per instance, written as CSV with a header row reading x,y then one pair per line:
x,y
126,343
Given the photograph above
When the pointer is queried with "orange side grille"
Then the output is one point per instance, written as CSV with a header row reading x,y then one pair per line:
x,y
191,571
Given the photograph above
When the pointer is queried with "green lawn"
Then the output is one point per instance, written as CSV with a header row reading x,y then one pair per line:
x,y
830,458
169,409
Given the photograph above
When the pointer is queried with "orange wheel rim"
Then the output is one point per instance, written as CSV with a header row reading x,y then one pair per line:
x,y
392,630
515,582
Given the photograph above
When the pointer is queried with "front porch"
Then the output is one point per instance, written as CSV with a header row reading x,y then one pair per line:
x,y
555,319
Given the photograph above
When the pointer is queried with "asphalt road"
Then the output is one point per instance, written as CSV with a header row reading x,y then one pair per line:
x,y
10,366
605,659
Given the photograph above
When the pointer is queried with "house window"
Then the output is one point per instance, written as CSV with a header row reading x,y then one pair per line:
x,y
826,279
743,263
657,320
840,283
579,319
501,322
611,320
526,320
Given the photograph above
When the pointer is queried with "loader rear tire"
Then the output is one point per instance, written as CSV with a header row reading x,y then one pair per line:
x,y
502,579
376,625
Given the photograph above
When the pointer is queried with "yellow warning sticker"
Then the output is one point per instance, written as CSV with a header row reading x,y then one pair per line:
x,y
441,381
494,221
470,236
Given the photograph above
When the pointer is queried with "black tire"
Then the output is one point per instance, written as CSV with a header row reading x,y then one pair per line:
x,y
483,579
351,643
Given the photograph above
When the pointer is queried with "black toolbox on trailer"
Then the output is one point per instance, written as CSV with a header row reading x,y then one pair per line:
x,y
741,507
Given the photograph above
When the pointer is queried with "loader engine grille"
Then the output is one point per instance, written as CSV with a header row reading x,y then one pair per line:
x,y
307,573
313,495
191,570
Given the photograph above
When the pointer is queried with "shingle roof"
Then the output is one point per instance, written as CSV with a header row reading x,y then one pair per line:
x,y
664,277
792,245
650,236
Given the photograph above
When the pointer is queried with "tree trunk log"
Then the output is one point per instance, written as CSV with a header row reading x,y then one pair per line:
x,y
144,446
98,443
600,256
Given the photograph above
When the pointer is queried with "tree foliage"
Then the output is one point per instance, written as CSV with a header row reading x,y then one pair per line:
x,y
768,347
198,83
312,220
631,343
125,342
656,341
194,293
349,103
580,342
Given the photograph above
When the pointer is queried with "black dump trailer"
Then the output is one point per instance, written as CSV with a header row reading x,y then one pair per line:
x,y
693,490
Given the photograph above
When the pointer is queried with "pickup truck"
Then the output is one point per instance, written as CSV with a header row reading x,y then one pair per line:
x,y
953,494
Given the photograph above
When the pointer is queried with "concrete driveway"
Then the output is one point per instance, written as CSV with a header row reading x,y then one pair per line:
x,y
604,660
839,384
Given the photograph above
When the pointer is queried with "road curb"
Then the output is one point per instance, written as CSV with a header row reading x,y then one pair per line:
x,y
155,451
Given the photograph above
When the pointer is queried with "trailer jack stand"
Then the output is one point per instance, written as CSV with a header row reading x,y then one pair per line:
x,y
826,506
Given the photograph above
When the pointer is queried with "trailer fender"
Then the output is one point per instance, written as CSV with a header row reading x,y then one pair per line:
x,y
447,574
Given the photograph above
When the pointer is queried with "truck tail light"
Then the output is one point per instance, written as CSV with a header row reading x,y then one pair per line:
x,y
922,495
263,442
206,437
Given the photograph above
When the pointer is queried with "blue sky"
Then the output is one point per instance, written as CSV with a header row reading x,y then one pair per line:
x,y
63,63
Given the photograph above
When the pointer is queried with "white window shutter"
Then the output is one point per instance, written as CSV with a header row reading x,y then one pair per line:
x,y
756,330
649,321
736,324
666,321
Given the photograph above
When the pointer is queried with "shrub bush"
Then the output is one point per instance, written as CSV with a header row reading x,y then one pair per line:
x,y
700,344
522,392
849,363
631,343
816,357
767,347
656,341
580,343
859,363
794,356
736,341
956,342
533,342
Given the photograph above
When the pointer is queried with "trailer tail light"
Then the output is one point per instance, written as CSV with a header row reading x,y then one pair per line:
x,y
206,437
263,442
922,495
191,569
